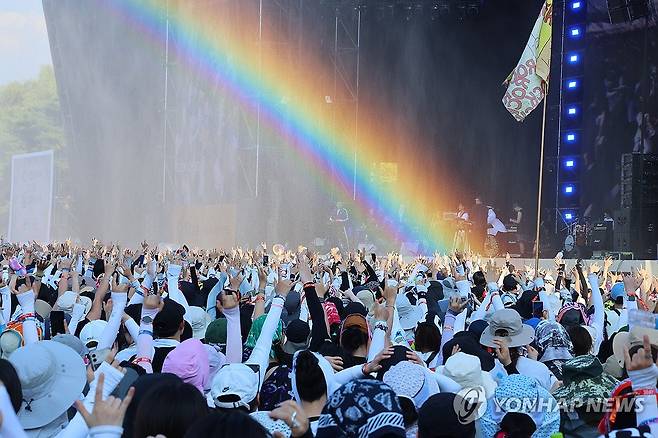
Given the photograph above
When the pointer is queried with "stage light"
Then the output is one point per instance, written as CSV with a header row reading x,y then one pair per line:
x,y
576,5
572,84
575,32
569,163
568,189
571,137
574,58
568,216
572,111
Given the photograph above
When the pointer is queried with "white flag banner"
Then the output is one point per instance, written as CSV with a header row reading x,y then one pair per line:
x,y
528,83
31,197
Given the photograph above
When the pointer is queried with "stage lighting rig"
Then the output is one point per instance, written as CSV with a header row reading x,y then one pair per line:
x,y
440,9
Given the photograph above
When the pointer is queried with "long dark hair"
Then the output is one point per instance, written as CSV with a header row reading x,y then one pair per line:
x,y
226,424
169,410
9,378
311,385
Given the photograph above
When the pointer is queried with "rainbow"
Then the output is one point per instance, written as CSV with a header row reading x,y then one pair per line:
x,y
223,51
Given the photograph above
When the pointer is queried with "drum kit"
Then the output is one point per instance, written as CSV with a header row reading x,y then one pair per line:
x,y
579,235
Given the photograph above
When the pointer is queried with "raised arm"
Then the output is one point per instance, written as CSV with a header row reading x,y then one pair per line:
x,y
103,287
230,303
173,273
598,319
119,300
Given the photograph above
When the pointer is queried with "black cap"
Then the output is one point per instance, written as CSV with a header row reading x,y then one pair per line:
x,y
168,320
509,282
298,331
355,307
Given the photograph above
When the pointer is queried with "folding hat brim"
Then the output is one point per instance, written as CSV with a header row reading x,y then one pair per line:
x,y
70,379
526,336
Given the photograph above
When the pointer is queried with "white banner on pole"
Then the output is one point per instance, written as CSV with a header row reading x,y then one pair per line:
x,y
31,197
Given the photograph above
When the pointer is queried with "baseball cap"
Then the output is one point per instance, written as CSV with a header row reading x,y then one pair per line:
x,y
355,320
91,332
216,332
235,386
168,320
297,336
509,282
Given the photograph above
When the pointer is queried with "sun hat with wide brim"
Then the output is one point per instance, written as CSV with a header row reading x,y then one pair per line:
x,y
52,376
507,325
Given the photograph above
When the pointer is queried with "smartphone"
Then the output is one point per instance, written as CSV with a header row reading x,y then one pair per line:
x,y
96,357
537,309
57,322
373,257
266,260
126,382
562,267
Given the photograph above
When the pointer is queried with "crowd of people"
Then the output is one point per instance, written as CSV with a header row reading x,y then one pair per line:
x,y
104,341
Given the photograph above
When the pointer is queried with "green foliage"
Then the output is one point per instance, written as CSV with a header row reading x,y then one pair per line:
x,y
30,121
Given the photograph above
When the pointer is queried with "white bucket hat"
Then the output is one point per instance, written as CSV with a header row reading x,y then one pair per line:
x,y
410,380
52,376
466,370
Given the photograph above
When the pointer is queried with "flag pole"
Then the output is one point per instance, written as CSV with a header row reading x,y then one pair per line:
x,y
541,181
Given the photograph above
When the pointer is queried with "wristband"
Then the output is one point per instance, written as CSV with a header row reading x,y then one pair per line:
x,y
25,316
309,284
363,369
380,325
146,332
142,359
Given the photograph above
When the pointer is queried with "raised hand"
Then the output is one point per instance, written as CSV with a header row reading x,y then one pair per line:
x,y
641,359
108,412
235,281
229,299
283,287
502,351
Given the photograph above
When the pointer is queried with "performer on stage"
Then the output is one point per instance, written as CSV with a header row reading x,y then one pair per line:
x,y
460,241
340,219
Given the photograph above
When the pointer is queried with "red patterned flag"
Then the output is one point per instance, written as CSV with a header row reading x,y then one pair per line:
x,y
528,83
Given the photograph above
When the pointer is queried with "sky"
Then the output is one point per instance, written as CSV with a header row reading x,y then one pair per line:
x,y
24,44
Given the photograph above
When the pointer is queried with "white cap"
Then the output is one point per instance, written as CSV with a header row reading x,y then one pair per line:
x,y
235,379
92,332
